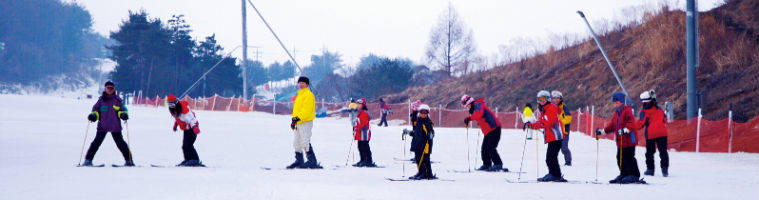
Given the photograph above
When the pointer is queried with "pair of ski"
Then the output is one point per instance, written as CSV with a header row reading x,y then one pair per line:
x,y
473,171
641,182
103,165
407,179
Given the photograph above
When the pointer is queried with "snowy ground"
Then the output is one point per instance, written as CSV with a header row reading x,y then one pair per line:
x,y
41,138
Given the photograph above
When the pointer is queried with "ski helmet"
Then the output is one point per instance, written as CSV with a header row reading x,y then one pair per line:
x,y
424,107
647,96
545,95
556,94
618,97
466,100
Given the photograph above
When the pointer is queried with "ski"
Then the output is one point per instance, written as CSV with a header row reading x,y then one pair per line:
x,y
115,165
473,171
406,179
641,182
100,165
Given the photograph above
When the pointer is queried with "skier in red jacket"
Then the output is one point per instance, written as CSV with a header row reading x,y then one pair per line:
x,y
624,125
653,123
553,135
186,121
362,134
490,127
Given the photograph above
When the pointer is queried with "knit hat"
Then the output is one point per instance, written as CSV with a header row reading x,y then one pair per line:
x,y
109,83
618,97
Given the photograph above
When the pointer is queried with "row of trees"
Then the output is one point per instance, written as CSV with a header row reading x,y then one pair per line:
x,y
158,59
43,39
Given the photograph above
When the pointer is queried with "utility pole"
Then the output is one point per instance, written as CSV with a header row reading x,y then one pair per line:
x,y
691,26
244,52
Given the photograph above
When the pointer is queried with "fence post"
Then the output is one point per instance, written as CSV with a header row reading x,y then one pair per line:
x,y
579,118
274,103
730,131
440,114
592,114
409,111
517,116
698,132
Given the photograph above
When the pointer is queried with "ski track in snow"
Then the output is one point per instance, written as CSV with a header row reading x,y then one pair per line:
x,y
41,138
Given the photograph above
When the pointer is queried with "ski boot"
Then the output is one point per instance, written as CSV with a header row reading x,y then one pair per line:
x,y
181,164
129,163
311,163
496,168
629,179
194,163
484,168
665,171
298,161
649,172
617,179
551,178
87,163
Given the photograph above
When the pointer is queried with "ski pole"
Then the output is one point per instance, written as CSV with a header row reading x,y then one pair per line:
x,y
126,124
597,147
468,164
537,156
479,144
348,154
86,131
524,147
403,148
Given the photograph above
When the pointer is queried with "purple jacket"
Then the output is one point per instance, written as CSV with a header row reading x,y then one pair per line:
x,y
107,109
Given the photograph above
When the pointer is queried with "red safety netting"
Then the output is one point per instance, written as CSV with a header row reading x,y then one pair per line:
x,y
683,135
688,135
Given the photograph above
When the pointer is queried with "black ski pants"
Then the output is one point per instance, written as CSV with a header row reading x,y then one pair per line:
x,y
651,146
488,152
364,151
626,162
188,148
383,119
552,158
117,138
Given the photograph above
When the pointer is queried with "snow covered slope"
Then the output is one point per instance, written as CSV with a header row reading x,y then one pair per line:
x,y
41,138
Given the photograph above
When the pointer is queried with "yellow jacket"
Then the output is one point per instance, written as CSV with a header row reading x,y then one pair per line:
x,y
527,115
565,116
304,106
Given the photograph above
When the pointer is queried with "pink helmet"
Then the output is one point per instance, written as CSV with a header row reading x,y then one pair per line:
x,y
466,100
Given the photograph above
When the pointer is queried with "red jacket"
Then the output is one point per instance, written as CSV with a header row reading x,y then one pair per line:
x,y
653,123
186,119
484,117
623,118
549,120
361,130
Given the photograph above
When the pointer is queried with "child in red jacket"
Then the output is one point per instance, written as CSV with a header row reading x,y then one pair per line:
x,y
362,134
623,123
186,121
653,123
554,134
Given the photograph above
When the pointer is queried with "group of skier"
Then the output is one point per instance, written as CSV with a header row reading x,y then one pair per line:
x,y
552,116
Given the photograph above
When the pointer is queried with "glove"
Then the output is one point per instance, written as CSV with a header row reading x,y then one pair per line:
x,y
294,122
524,127
623,131
92,117
195,130
124,116
432,135
466,121
599,131
405,132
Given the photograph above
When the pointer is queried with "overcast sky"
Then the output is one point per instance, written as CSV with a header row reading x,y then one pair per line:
x,y
354,28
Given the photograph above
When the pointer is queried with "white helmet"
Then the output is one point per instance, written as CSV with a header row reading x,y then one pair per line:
x,y
424,107
556,94
647,96
546,94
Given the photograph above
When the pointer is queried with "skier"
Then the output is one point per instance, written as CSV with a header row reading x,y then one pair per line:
x,y
653,122
623,123
363,135
384,110
414,141
565,115
421,144
107,112
491,128
185,119
304,112
549,121
527,117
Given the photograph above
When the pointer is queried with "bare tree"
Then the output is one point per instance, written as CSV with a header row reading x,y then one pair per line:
x,y
451,46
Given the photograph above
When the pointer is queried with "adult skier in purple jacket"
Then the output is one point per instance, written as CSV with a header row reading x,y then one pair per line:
x,y
107,112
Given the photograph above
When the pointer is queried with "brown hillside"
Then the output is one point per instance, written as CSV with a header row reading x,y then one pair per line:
x,y
647,56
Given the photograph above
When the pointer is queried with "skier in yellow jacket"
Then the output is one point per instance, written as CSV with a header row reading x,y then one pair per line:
x,y
304,112
528,117
565,116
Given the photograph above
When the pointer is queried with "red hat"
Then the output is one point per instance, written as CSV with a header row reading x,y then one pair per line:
x,y
171,98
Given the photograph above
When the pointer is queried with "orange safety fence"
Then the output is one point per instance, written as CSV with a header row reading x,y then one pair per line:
x,y
683,135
